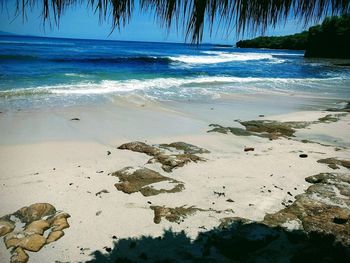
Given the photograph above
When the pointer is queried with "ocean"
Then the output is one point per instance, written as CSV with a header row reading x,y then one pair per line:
x,y
40,72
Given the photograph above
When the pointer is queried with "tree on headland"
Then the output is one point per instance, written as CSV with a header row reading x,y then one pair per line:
x,y
331,39
193,15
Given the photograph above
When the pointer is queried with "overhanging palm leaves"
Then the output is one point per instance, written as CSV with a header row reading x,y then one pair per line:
x,y
192,15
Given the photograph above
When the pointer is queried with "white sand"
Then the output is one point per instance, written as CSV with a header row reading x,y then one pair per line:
x,y
38,141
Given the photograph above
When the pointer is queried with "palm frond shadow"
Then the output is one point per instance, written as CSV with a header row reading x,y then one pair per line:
x,y
238,242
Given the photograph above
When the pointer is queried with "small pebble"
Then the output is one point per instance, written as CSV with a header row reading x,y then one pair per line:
x,y
249,149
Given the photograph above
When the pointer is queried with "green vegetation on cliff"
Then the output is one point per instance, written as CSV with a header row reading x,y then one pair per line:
x,y
331,39
296,41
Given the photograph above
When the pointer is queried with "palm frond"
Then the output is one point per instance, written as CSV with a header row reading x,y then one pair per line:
x,y
193,15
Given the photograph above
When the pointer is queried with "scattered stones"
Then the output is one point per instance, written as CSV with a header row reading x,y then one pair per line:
x,y
249,149
177,214
335,163
168,161
31,236
303,155
323,208
141,180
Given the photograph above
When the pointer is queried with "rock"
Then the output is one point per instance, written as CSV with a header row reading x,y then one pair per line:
x,y
6,226
19,256
303,155
54,235
104,191
185,147
60,222
31,242
176,214
331,118
168,161
263,128
141,148
226,222
38,227
249,149
226,130
275,129
335,163
139,180
75,119
38,218
321,208
35,212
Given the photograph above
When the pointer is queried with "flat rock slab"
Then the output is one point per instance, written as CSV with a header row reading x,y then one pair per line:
x,y
334,163
323,208
272,129
141,180
186,153
177,214
26,229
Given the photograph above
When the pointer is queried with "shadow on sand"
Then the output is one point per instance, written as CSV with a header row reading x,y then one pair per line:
x,y
236,242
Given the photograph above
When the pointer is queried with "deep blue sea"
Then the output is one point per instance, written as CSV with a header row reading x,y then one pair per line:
x,y
38,71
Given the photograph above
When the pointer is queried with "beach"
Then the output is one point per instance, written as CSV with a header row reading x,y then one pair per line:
x,y
115,151
66,157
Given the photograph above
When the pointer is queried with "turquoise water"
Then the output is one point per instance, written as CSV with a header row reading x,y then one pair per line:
x,y
38,71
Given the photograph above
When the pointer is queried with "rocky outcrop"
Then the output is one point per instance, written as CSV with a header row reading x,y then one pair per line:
x,y
177,214
25,230
323,208
262,128
272,129
141,180
186,153
334,163
185,147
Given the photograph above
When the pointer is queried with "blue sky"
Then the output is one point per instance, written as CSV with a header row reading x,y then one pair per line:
x,y
81,22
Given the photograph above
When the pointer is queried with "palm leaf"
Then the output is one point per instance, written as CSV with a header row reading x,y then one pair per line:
x,y
192,15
